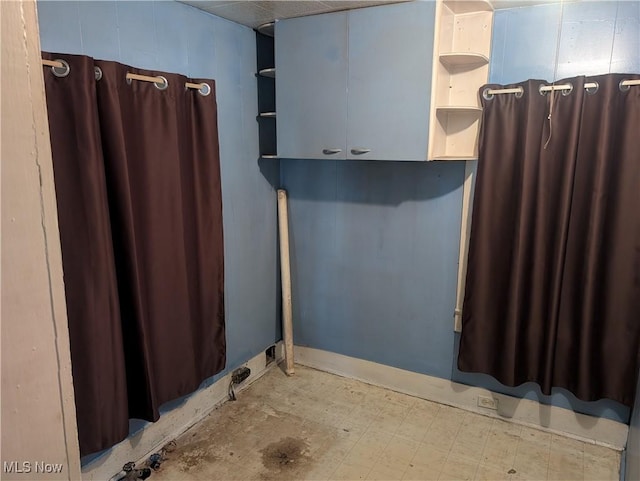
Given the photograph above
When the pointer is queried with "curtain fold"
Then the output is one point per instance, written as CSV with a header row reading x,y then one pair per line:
x,y
91,291
161,178
553,280
162,165
601,283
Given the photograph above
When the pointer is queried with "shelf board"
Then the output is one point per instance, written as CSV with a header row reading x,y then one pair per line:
x,y
468,6
268,72
266,29
463,59
454,157
460,109
268,115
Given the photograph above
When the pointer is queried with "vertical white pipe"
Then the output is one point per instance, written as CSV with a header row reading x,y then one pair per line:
x,y
465,231
285,275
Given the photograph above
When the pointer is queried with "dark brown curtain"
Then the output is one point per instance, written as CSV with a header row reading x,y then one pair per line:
x,y
93,311
157,154
553,280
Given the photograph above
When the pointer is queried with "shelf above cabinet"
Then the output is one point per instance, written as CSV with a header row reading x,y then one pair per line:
x,y
463,109
268,72
468,6
463,59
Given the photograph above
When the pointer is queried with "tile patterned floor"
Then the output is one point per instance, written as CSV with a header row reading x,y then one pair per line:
x,y
317,426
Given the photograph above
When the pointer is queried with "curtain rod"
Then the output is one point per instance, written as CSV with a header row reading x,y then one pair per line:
x,y
549,88
159,81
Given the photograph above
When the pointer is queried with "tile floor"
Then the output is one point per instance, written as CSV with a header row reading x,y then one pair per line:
x,y
318,426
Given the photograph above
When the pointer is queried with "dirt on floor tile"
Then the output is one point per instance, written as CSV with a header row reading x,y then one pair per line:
x,y
286,454
196,456
312,427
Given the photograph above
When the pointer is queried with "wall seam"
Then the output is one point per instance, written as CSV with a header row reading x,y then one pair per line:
x,y
613,37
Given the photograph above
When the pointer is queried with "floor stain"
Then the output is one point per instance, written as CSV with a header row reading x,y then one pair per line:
x,y
231,437
286,454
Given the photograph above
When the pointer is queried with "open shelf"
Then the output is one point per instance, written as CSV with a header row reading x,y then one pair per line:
x,y
470,109
266,29
460,7
268,72
462,45
266,86
454,157
457,133
463,59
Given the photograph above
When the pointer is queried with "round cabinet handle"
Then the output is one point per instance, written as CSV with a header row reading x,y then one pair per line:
x,y
331,151
360,151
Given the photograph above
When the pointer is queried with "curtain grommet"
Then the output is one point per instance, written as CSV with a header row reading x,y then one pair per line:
x,y
540,91
623,87
568,91
204,89
61,71
162,85
97,71
486,94
520,93
592,90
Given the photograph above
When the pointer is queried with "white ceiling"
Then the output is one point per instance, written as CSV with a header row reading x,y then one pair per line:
x,y
253,13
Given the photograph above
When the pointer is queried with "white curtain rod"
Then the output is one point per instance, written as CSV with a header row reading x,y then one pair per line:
x,y
549,88
159,81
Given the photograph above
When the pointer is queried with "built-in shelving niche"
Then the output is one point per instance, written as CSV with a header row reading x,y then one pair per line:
x,y
266,78
461,67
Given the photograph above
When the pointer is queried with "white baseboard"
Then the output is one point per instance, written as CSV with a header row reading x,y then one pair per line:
x,y
553,419
173,423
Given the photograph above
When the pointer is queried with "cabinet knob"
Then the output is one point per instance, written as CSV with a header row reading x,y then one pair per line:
x,y
331,151
360,151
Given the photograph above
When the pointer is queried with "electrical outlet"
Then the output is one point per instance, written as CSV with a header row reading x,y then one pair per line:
x,y
487,402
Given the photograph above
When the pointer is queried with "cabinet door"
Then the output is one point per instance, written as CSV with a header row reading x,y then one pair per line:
x,y
311,86
390,52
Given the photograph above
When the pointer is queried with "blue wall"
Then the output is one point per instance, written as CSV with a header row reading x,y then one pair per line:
x,y
375,245
595,38
374,259
173,37
632,472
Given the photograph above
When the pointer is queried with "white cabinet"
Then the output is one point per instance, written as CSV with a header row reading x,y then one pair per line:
x,y
460,68
356,84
